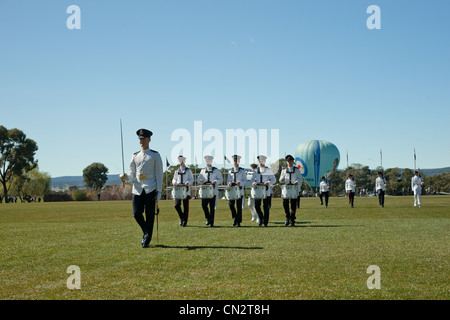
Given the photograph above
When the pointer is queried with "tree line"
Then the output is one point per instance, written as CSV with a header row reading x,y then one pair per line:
x,y
20,176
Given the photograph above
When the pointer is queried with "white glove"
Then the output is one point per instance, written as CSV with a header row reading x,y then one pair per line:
x,y
123,177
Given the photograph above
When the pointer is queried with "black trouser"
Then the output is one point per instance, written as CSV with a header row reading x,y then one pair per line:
x,y
236,214
209,212
145,202
381,196
290,214
263,218
183,215
324,194
351,197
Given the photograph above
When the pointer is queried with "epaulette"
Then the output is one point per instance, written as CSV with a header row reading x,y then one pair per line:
x,y
153,150
136,153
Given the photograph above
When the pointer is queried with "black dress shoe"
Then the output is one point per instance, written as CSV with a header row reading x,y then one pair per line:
x,y
184,223
146,241
286,222
207,222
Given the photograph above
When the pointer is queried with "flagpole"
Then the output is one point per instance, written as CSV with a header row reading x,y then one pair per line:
x,y
347,159
167,185
381,159
414,159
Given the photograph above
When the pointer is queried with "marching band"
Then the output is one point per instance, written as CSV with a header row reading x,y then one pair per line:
x,y
146,174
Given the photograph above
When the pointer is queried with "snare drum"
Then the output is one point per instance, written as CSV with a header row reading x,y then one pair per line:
x,y
179,192
289,191
258,192
232,193
206,191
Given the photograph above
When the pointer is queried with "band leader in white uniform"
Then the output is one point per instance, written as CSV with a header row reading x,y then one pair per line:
x,y
211,175
146,175
416,187
263,175
290,175
237,176
380,188
183,176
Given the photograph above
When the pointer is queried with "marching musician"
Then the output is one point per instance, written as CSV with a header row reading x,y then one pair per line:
x,y
380,187
324,191
350,189
210,175
183,176
290,175
251,201
237,176
146,175
416,186
263,175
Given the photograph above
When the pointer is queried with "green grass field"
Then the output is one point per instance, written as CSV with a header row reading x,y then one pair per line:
x,y
325,256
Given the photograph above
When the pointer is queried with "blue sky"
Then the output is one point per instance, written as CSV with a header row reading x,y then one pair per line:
x,y
311,69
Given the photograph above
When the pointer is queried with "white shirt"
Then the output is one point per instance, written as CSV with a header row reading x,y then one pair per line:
x,y
238,175
183,175
263,175
380,183
146,172
350,185
416,183
290,176
324,186
214,175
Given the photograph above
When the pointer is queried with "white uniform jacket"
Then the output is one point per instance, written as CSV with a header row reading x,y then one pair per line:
x,y
146,172
291,175
238,175
380,184
416,184
263,175
324,186
183,175
210,174
350,185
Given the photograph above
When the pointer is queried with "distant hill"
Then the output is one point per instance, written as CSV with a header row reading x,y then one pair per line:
x,y
434,172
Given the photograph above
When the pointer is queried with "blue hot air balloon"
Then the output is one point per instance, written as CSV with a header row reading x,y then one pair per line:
x,y
316,158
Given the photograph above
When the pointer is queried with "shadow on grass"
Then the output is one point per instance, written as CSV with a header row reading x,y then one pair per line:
x,y
306,224
299,224
206,247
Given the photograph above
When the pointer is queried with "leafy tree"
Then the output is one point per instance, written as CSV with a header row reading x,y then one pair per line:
x,y
17,156
31,183
95,176
37,183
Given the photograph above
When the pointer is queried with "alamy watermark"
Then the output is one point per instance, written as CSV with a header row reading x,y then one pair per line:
x,y
74,280
374,281
73,22
248,143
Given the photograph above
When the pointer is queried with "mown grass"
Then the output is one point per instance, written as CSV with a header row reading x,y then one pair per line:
x,y
324,257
